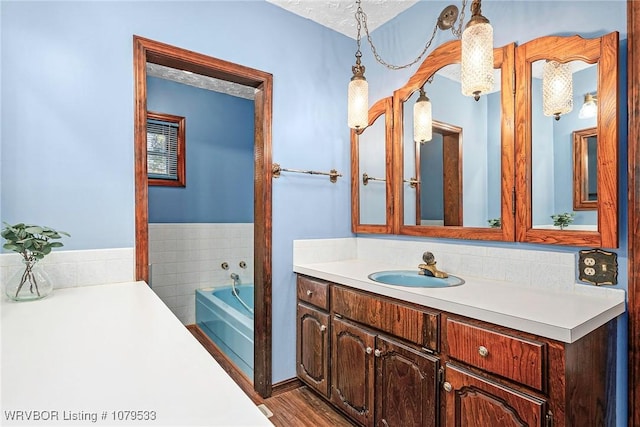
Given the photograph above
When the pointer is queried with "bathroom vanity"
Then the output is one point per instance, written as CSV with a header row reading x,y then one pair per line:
x,y
480,354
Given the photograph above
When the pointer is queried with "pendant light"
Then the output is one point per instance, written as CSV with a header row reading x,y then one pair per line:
x,y
358,96
477,54
422,119
557,89
358,93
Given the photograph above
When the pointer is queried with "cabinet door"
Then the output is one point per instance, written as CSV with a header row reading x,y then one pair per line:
x,y
312,356
352,370
406,386
472,401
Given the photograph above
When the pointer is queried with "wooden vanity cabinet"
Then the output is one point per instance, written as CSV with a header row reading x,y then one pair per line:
x,y
378,380
386,362
312,343
497,376
472,400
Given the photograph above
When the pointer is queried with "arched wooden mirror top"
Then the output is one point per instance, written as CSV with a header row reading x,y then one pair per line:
x,y
468,163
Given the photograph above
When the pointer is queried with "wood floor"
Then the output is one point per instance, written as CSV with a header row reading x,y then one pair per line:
x,y
292,404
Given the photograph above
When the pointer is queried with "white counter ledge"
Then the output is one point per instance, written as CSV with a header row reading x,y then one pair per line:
x,y
561,316
104,349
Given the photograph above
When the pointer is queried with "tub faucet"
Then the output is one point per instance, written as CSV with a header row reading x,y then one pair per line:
x,y
429,267
235,278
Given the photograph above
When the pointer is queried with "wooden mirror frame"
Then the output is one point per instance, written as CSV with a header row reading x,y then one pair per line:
x,y
604,51
445,54
381,107
581,201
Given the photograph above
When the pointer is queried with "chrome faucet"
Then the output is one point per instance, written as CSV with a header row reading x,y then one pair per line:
x,y
429,267
235,278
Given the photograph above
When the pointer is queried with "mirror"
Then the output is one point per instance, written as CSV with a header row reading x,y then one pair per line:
x,y
585,169
370,171
438,178
552,150
545,155
460,183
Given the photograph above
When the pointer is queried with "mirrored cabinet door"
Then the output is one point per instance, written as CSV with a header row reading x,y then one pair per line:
x,y
458,184
371,172
567,163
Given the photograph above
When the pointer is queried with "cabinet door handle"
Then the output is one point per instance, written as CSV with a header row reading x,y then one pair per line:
x,y
369,350
447,387
377,353
323,328
484,352
309,293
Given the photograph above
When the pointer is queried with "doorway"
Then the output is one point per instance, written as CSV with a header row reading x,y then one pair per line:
x,y
149,51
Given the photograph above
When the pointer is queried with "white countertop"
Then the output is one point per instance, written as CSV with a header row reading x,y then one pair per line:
x,y
100,349
560,316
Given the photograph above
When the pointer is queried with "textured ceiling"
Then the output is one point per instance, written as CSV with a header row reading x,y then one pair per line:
x,y
203,82
339,15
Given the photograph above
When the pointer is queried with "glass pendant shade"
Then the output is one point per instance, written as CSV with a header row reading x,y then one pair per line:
x,y
589,108
422,119
477,59
557,89
358,103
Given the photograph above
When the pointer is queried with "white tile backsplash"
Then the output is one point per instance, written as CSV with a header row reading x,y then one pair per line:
x,y
522,267
69,269
186,257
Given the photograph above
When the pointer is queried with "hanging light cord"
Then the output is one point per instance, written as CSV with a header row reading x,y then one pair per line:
x,y
361,19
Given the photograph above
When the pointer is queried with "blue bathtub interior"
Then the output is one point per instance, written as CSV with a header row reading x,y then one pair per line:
x,y
229,325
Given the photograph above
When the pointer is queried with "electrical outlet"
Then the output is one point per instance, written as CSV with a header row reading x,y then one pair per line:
x,y
598,267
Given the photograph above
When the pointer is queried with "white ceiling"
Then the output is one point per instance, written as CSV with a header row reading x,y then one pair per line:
x,y
339,15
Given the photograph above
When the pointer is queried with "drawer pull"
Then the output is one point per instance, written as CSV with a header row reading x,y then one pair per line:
x,y
323,328
447,387
483,351
369,350
377,353
309,293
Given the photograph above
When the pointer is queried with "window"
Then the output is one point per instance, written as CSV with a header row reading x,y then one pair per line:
x,y
165,149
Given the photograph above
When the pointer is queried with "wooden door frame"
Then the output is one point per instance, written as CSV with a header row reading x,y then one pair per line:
x,y
633,138
145,50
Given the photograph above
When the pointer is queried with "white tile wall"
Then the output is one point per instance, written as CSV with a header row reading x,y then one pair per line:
x,y
521,267
68,269
186,257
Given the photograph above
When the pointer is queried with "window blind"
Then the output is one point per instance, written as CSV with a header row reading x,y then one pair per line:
x,y
162,149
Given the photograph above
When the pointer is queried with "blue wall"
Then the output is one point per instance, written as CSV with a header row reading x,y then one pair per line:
x,y
219,155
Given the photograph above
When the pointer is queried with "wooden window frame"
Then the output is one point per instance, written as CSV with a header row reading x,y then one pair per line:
x,y
181,180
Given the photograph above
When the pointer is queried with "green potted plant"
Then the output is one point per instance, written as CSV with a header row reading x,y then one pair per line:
x,y
33,242
495,222
562,220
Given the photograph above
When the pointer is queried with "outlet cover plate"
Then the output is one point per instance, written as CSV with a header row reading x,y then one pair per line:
x,y
598,267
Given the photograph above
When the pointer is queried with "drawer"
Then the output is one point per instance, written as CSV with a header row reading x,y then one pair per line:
x,y
417,326
519,359
313,291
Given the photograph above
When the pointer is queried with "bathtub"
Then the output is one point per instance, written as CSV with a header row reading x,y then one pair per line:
x,y
230,325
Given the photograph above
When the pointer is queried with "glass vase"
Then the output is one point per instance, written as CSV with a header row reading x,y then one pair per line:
x,y
29,283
